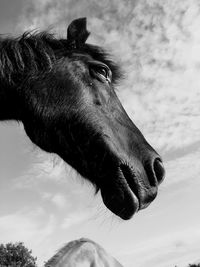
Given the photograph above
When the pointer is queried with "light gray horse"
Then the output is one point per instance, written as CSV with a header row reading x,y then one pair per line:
x,y
82,253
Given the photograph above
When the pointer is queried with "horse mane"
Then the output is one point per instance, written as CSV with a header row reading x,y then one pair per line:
x,y
61,252
29,52
34,52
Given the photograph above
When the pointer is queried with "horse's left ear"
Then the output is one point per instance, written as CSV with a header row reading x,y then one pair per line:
x,y
77,33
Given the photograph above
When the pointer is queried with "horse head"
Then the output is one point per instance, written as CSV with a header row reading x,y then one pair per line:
x,y
69,106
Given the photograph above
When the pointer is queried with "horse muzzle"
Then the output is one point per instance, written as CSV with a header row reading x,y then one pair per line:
x,y
130,189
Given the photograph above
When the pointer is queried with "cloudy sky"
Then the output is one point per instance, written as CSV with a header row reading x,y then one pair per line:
x,y
44,203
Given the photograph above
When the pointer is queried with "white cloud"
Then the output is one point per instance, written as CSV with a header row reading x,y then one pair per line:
x,y
166,81
179,248
27,226
45,167
59,200
16,227
75,218
184,169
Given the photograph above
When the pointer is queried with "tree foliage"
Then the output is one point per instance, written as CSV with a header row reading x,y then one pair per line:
x,y
16,255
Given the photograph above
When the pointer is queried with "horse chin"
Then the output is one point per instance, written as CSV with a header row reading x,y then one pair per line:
x,y
122,204
120,198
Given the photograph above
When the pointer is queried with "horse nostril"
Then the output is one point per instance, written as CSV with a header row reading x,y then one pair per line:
x,y
159,170
155,172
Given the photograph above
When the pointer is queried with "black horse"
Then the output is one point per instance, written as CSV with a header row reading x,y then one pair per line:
x,y
62,90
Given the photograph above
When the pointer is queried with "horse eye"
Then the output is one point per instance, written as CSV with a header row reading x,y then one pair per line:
x,y
101,72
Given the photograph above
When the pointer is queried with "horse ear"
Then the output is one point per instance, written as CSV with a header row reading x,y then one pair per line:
x,y
77,33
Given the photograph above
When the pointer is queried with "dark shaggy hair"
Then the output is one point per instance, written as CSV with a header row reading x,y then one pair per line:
x,y
34,52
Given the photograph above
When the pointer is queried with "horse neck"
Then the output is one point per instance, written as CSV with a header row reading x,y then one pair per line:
x,y
20,58
9,102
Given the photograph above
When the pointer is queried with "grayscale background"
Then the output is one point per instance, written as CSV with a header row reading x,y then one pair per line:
x,y
44,203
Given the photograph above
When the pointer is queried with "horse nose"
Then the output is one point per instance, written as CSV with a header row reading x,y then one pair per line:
x,y
159,170
155,171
